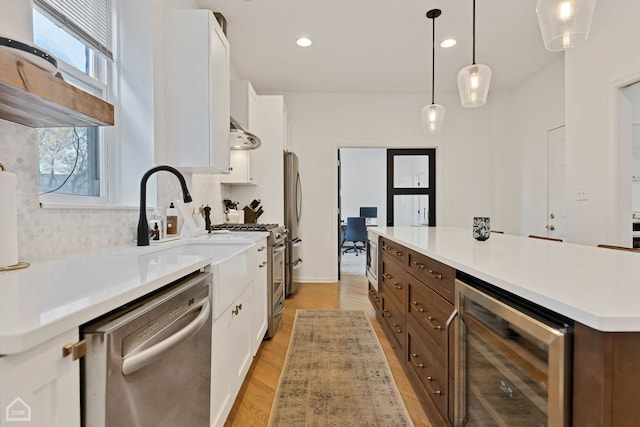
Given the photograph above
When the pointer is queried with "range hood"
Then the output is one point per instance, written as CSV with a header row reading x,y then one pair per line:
x,y
241,139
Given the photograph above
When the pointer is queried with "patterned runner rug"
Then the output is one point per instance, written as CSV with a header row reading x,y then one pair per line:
x,y
336,374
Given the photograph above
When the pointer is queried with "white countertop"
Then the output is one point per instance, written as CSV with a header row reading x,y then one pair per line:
x,y
51,297
597,287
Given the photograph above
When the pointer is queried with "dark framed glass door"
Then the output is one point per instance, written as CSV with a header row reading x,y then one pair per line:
x,y
411,187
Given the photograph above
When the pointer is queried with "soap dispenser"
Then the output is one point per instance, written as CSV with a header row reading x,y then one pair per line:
x,y
172,220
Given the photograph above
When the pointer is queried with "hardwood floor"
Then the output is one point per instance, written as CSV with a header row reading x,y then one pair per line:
x,y
253,403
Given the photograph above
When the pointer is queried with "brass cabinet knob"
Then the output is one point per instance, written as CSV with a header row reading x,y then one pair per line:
x,y
398,331
414,355
429,379
399,253
437,393
419,365
386,276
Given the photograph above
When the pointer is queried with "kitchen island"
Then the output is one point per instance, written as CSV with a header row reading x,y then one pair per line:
x,y
596,289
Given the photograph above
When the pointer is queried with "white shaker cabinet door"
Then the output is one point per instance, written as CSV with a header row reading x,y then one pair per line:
x,y
197,92
41,386
260,320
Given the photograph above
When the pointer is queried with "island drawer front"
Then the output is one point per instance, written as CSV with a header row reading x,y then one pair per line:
x,y
431,374
394,282
436,275
394,319
431,312
375,298
396,251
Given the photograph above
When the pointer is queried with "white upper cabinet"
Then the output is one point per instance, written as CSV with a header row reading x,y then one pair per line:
x,y
244,109
244,104
197,92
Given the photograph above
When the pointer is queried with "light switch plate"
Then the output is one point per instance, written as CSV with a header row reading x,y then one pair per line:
x,y
582,194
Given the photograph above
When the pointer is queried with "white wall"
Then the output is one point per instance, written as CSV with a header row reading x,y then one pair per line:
x,y
609,58
321,123
364,181
538,107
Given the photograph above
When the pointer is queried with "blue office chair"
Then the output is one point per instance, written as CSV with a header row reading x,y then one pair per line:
x,y
356,232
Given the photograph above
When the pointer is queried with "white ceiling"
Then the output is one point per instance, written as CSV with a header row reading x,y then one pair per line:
x,y
379,45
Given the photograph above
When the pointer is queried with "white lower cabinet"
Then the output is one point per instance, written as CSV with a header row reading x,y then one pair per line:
x,y
260,320
41,386
231,355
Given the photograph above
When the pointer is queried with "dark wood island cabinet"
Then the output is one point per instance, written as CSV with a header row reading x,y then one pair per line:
x,y
414,300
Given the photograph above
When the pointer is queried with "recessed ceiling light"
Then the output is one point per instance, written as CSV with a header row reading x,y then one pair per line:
x,y
303,42
448,43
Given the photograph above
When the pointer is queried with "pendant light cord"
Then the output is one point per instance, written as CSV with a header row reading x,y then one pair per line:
x,y
474,32
433,62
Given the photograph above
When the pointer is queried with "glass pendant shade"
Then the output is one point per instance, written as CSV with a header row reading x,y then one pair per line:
x,y
432,118
564,24
473,85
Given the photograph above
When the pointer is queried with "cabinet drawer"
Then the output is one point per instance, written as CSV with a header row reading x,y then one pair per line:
x,y
375,298
394,250
429,313
436,275
431,374
394,282
393,317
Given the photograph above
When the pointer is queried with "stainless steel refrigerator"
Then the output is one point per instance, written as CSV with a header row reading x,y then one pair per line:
x,y
292,214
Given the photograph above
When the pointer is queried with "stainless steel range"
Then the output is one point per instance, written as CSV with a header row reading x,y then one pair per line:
x,y
275,267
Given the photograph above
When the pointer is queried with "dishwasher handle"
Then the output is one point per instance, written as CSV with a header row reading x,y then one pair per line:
x,y
131,364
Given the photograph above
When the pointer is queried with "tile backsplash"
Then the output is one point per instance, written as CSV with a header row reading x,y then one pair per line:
x,y
52,232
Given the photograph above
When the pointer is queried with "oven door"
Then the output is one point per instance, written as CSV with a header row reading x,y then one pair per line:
x,y
278,291
512,368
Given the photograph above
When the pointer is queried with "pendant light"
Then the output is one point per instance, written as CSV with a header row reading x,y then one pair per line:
x,y
433,115
475,79
564,24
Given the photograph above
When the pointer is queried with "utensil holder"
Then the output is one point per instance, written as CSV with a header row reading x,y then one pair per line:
x,y
249,215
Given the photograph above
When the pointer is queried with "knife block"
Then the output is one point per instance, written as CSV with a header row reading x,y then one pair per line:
x,y
249,215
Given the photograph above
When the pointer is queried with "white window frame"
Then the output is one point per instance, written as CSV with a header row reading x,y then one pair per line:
x,y
104,91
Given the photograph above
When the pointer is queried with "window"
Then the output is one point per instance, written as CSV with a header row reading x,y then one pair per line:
x,y
411,187
72,160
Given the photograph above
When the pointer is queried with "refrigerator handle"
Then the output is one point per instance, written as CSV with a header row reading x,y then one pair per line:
x,y
298,197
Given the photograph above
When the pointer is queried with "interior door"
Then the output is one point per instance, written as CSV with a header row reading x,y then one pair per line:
x,y
556,190
411,187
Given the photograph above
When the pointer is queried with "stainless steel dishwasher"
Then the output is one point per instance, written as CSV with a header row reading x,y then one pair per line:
x,y
149,363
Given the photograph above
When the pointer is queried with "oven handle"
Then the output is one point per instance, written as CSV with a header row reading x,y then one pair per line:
x,y
447,326
280,311
279,248
296,242
131,364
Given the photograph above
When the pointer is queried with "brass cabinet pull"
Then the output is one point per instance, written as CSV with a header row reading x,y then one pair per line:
x,y
398,331
437,393
386,276
420,309
386,313
397,286
77,350
429,379
435,274
419,265
436,327
388,247
399,253
419,365
395,325
414,355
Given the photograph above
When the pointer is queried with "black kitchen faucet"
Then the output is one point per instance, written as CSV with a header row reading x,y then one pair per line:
x,y
143,225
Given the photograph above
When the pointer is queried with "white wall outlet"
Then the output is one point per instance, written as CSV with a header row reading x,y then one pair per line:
x,y
582,194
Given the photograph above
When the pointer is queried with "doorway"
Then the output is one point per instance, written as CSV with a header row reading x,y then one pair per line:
x,y
361,193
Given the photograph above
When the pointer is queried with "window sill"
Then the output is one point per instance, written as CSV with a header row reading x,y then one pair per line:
x,y
49,205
